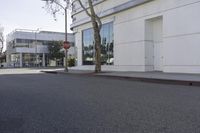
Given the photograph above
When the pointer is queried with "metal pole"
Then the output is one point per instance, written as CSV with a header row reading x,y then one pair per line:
x,y
66,51
35,49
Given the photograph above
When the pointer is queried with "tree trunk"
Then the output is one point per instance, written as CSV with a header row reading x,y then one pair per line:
x,y
96,23
97,38
1,44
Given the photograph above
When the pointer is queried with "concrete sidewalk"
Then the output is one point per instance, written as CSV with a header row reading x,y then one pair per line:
x,y
155,77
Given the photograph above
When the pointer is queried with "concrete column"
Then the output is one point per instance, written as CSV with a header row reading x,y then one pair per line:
x,y
43,59
7,59
20,60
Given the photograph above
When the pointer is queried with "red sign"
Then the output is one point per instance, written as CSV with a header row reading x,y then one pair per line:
x,y
66,45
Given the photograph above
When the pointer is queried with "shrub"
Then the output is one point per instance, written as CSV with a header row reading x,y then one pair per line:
x,y
71,62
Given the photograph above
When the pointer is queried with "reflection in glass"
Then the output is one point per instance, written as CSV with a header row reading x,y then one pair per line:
x,y
107,57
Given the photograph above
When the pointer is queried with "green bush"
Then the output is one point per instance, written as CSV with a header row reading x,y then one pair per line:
x,y
71,62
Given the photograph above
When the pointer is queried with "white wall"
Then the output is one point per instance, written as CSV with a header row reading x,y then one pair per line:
x,y
181,36
182,39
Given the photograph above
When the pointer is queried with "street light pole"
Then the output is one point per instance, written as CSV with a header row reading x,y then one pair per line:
x,y
66,51
36,53
36,48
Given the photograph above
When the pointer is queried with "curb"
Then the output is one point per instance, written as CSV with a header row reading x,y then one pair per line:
x,y
50,72
155,80
139,79
69,73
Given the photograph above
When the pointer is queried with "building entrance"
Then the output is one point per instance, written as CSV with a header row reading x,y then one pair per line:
x,y
154,37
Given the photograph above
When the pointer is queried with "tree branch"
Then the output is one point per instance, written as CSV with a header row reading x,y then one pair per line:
x,y
99,21
84,8
55,6
57,2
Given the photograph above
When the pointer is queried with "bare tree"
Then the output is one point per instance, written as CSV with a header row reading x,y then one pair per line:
x,y
1,40
55,6
96,23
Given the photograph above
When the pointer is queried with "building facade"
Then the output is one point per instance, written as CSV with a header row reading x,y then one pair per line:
x,y
29,48
141,35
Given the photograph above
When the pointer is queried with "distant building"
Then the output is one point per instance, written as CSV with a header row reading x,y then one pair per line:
x,y
29,48
141,35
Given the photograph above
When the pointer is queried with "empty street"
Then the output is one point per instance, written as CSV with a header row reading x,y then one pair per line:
x,y
58,103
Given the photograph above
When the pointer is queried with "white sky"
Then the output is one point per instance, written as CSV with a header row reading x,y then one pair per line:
x,y
29,14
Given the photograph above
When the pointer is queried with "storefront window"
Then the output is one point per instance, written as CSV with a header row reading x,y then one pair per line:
x,y
106,45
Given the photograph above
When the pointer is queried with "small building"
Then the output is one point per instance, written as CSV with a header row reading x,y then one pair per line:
x,y
141,35
29,48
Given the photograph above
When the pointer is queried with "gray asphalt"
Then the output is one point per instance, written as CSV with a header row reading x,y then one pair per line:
x,y
50,103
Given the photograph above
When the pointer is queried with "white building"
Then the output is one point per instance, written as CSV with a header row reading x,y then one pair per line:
x,y
142,35
29,48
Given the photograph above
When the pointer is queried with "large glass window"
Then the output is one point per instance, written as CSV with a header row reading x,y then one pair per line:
x,y
88,47
106,45
24,41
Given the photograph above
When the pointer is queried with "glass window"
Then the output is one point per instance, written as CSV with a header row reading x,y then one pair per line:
x,y
107,57
88,47
24,41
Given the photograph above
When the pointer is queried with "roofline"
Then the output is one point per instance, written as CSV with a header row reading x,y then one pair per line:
x,y
34,31
111,11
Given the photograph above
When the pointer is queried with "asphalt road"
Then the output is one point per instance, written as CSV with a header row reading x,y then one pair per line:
x,y
50,103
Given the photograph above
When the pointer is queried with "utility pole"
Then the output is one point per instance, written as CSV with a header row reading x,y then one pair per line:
x,y
66,51
36,51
